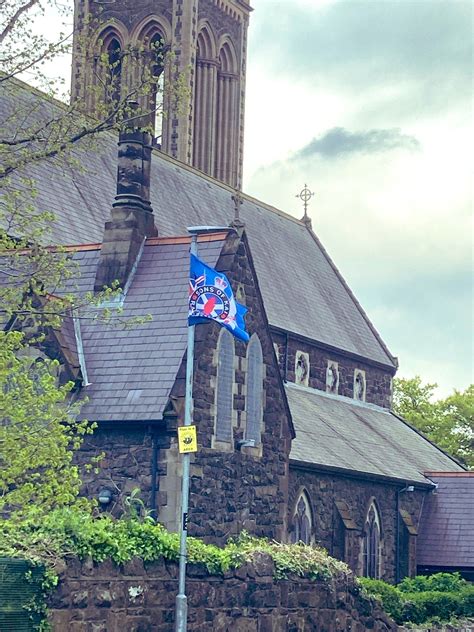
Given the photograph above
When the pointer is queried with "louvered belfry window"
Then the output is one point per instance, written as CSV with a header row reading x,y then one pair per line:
x,y
225,383
254,390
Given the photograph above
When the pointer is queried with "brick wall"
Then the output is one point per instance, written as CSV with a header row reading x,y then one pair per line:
x,y
138,598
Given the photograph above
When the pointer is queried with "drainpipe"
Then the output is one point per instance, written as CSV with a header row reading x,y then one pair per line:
x,y
154,468
407,488
285,368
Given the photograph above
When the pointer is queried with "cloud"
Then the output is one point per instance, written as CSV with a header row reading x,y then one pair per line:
x,y
422,48
339,141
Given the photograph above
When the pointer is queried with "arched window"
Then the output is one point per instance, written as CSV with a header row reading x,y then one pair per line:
x,y
113,70
205,101
225,383
157,59
253,428
149,72
371,544
227,117
301,521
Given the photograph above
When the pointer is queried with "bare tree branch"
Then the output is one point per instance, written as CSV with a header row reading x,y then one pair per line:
x,y
15,17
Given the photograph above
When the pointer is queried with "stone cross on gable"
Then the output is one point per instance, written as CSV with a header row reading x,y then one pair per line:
x,y
237,199
305,195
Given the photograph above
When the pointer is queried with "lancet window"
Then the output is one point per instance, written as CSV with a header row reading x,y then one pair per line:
x,y
149,71
301,521
227,116
108,68
253,429
372,543
114,60
225,382
205,102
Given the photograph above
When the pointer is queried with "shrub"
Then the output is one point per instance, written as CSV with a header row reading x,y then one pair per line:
x,y
438,597
389,595
439,582
425,606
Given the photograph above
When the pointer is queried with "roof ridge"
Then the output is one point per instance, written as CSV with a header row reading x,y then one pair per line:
x,y
352,296
227,187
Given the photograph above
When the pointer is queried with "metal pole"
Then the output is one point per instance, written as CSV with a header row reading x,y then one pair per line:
x,y
181,599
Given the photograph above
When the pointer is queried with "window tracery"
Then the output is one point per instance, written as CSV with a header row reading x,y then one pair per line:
x,y
301,522
372,543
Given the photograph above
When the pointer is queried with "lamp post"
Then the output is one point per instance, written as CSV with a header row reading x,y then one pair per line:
x,y
181,599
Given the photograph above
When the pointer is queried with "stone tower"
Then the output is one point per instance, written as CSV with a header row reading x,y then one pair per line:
x,y
115,40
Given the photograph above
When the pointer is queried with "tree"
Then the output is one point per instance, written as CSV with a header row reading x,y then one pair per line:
x,y
33,132
447,422
38,433
38,427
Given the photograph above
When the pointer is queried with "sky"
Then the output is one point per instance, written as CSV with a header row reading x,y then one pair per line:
x,y
369,104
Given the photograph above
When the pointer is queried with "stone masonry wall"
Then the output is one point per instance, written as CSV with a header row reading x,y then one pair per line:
x,y
233,488
125,466
378,380
323,490
138,598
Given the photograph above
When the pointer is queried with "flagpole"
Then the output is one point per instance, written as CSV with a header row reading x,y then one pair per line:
x,y
181,599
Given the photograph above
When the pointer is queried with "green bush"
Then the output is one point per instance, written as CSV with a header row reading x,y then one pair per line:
x,y
467,599
438,597
389,595
69,532
439,582
420,607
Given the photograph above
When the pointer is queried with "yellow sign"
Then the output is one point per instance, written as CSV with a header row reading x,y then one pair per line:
x,y
187,439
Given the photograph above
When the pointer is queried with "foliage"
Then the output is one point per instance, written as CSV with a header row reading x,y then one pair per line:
x,y
447,422
438,597
440,582
38,432
69,532
389,595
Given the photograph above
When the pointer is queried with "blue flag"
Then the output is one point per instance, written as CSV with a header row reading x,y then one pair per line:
x,y
211,298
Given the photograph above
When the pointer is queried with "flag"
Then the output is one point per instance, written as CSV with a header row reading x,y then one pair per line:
x,y
211,298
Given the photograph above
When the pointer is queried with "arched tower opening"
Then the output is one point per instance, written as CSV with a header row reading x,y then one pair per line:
x,y
207,42
225,163
205,102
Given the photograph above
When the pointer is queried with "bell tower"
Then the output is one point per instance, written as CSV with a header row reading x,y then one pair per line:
x,y
183,58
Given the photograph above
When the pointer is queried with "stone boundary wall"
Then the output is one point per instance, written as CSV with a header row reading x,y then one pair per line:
x,y
141,598
463,626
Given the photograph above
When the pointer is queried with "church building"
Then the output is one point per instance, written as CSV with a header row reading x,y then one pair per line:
x,y
297,440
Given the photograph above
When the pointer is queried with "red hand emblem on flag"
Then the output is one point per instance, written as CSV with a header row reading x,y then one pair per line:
x,y
209,306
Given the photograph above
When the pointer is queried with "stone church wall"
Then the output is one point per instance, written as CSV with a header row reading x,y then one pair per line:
x,y
233,488
344,540
138,598
378,380
126,462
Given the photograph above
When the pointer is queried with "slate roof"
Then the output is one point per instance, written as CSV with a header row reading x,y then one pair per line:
x,y
131,371
446,533
301,288
339,432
